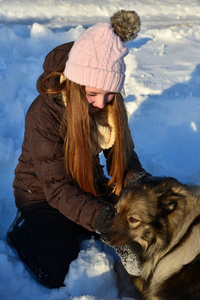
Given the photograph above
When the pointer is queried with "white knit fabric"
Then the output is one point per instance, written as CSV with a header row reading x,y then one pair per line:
x,y
103,131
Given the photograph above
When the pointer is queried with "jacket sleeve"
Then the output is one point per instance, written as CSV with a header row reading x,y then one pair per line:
x,y
134,165
48,160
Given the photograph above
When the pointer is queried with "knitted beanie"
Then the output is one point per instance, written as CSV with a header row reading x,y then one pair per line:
x,y
97,56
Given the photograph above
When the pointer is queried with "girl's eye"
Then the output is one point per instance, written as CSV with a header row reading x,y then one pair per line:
x,y
133,220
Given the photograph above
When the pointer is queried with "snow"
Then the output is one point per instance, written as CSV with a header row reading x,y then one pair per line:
x,y
84,274
162,97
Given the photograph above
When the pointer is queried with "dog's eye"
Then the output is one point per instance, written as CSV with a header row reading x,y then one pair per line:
x,y
133,220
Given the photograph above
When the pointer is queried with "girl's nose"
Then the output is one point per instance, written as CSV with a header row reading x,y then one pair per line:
x,y
101,102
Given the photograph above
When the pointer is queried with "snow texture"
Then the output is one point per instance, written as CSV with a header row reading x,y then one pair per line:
x,y
162,97
130,257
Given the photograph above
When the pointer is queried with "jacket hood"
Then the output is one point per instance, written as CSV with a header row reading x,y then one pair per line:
x,y
55,60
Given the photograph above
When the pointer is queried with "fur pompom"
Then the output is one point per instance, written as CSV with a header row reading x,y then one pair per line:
x,y
126,24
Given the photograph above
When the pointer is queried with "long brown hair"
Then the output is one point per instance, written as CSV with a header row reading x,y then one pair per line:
x,y
78,156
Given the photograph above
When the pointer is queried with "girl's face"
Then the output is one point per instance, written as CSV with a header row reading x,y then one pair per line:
x,y
97,98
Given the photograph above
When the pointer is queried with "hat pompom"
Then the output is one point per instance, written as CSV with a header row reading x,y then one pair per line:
x,y
126,24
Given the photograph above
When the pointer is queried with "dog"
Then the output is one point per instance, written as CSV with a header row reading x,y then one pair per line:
x,y
163,216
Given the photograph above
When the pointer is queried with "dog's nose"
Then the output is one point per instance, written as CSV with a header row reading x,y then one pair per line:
x,y
105,237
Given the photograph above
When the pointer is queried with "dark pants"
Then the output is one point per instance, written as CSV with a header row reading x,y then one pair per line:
x,y
46,242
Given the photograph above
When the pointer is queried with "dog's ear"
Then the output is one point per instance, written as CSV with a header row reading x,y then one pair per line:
x,y
167,205
169,201
170,191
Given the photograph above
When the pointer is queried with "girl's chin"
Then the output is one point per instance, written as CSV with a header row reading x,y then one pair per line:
x,y
93,109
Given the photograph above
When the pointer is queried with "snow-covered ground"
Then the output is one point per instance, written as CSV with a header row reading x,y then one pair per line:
x,y
162,96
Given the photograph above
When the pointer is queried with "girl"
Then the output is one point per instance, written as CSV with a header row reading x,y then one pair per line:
x,y
60,188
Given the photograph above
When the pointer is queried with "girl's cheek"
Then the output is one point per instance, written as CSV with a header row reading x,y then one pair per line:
x,y
90,99
110,98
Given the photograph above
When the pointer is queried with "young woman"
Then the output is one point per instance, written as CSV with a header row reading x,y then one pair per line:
x,y
60,188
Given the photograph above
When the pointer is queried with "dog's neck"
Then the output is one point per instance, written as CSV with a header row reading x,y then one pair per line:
x,y
182,255
183,249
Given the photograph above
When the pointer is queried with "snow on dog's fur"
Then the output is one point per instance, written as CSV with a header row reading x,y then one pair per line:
x,y
163,216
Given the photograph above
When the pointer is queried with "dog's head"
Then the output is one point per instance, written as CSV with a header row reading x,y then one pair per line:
x,y
148,213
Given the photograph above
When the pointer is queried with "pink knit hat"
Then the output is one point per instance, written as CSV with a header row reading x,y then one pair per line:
x,y
97,56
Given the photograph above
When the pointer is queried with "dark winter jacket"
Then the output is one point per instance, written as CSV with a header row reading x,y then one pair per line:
x,y
40,175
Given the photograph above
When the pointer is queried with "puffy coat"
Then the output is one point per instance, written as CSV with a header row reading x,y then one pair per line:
x,y
40,174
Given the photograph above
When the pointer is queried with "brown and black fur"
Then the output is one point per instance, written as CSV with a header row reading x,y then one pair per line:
x,y
163,216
